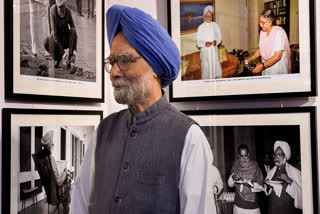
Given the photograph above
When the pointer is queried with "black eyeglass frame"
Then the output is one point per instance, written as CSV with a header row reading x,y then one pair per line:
x,y
123,67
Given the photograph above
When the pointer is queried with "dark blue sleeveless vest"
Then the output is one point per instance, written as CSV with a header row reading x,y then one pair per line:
x,y
137,161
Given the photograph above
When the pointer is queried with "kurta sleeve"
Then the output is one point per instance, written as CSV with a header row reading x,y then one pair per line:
x,y
201,42
54,28
217,179
195,160
279,41
218,34
295,189
258,182
71,23
81,201
60,178
231,181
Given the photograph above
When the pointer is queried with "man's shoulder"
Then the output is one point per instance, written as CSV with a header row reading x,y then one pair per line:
x,y
175,114
256,164
292,168
202,25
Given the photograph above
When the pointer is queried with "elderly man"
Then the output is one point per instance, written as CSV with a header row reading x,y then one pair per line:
x,y
63,35
208,39
149,158
248,180
286,195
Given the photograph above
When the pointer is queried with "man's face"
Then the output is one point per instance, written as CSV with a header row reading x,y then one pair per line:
x,y
133,85
279,157
243,157
208,16
62,10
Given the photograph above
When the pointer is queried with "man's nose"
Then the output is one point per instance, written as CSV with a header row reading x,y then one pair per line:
x,y
115,71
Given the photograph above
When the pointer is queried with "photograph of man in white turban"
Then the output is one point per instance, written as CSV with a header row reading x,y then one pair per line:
x,y
208,39
285,180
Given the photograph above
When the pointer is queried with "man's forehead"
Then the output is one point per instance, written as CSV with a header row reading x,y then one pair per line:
x,y
278,150
243,151
121,53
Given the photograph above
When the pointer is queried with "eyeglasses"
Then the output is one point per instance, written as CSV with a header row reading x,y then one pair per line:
x,y
262,23
123,61
278,155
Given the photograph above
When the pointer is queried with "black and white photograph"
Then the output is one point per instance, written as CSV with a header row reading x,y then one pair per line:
x,y
56,43
46,155
245,48
264,160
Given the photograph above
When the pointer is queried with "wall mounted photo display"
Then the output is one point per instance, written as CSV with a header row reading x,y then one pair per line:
x,y
54,50
259,129
214,47
28,181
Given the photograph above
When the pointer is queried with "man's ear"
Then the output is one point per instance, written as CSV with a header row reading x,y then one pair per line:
x,y
155,75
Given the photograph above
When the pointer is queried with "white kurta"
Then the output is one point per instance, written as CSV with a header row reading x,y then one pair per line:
x,y
193,185
210,65
281,66
294,189
214,181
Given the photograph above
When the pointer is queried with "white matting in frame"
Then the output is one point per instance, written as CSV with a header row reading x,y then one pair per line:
x,y
26,79
301,83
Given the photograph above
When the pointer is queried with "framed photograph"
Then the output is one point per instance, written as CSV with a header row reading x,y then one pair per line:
x,y
54,50
215,46
30,184
259,129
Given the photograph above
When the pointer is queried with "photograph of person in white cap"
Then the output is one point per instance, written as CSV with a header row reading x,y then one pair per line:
x,y
285,179
49,159
62,179
208,39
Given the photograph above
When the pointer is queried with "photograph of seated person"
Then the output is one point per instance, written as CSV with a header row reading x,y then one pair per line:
x,y
63,178
274,47
285,181
208,39
247,179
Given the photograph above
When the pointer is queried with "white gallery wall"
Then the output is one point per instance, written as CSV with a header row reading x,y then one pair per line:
x,y
158,9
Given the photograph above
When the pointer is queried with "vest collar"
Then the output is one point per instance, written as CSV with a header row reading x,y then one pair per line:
x,y
150,112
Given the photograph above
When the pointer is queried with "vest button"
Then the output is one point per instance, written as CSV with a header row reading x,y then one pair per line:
x,y
133,134
116,199
125,165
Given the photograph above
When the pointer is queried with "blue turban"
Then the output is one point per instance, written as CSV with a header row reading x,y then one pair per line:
x,y
148,37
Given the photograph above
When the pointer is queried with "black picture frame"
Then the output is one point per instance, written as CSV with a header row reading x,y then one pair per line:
x,y
246,87
84,84
259,129
17,173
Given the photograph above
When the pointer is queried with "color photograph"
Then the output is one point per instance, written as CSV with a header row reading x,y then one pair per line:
x,y
245,48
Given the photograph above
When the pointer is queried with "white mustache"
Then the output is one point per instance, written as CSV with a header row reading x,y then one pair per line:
x,y
118,82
